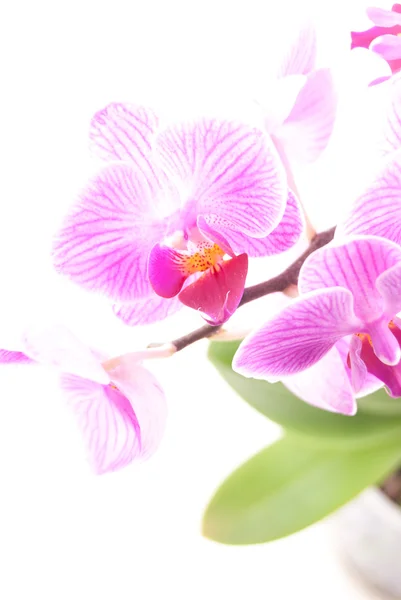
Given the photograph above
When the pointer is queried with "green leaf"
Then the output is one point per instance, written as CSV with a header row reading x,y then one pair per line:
x,y
277,403
289,486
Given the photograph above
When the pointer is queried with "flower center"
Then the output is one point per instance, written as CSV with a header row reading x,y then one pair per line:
x,y
206,257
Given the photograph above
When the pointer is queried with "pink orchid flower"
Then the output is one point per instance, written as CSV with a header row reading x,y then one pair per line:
x,y
350,292
384,37
300,107
118,404
173,216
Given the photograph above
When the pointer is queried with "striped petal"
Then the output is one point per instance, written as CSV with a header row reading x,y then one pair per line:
x,y
120,422
105,241
124,132
230,172
13,357
148,310
298,337
378,210
356,266
283,237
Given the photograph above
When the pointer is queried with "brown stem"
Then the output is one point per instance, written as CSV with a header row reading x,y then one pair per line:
x,y
277,284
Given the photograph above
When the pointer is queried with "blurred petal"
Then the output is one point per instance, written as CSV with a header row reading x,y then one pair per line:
x,y
148,401
301,56
283,237
12,357
378,210
325,385
354,265
105,241
280,99
392,125
388,46
147,310
107,421
231,171
124,132
298,337
307,130
382,17
359,371
55,346
217,293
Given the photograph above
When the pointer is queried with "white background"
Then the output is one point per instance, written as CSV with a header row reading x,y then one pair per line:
x,y
64,533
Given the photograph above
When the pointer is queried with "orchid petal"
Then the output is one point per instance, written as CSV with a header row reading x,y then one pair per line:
x,y
382,17
307,130
389,375
56,346
389,286
283,237
232,172
218,292
13,357
147,310
378,210
280,99
298,337
106,239
354,265
325,385
167,270
388,46
392,126
124,132
385,345
301,56
358,368
116,423
148,401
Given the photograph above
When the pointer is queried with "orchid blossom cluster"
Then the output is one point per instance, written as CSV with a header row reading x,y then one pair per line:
x,y
172,219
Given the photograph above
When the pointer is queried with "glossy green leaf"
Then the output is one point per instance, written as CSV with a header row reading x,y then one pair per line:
x,y
290,485
277,403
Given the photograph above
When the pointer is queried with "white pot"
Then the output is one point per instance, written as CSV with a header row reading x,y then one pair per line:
x,y
368,534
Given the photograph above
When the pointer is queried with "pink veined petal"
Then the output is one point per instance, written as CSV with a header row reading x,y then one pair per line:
x,y
167,270
306,131
147,310
107,421
148,400
388,46
105,241
56,346
368,382
355,265
283,237
124,132
13,357
378,210
217,293
392,125
325,385
389,286
298,337
358,368
301,56
382,17
231,171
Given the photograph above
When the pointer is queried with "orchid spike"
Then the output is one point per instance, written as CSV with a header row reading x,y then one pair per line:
x,y
118,404
350,292
383,38
171,205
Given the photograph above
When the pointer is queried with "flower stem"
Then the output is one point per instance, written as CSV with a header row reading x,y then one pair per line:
x,y
280,283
